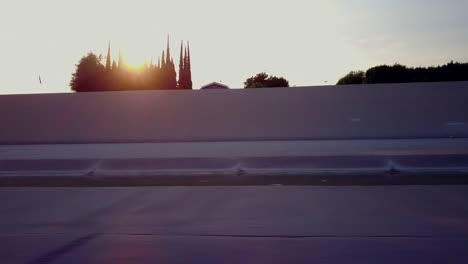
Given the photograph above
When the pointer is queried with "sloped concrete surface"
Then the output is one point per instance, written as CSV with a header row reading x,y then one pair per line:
x,y
374,111
330,157
268,224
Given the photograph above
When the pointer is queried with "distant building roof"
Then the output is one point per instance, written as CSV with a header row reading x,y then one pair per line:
x,y
215,85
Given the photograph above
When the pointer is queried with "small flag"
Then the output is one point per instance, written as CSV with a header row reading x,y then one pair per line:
x,y
40,80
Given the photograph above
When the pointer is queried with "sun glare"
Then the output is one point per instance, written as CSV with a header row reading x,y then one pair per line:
x,y
135,67
134,62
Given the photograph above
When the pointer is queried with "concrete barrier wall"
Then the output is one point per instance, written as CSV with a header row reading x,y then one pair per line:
x,y
423,110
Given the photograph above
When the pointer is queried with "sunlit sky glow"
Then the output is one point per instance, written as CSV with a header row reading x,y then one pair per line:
x,y
308,42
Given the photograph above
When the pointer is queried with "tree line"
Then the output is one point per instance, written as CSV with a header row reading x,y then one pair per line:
x,y
92,75
263,80
397,73
402,74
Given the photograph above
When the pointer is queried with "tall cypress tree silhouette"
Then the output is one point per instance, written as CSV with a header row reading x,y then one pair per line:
x,y
185,78
181,84
188,68
108,59
168,70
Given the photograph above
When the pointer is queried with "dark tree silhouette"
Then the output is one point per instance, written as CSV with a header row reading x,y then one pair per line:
x,y
185,74
402,74
188,69
108,59
354,77
87,77
168,73
388,74
91,75
263,80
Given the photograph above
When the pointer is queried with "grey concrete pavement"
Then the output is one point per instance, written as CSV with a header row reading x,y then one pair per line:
x,y
267,224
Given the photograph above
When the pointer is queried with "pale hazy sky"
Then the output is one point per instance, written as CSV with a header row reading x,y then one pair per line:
x,y
308,42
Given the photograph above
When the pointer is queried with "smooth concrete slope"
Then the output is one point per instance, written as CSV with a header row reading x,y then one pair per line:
x,y
402,111
374,133
266,224
421,161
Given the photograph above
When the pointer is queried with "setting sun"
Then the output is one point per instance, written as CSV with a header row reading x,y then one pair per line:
x,y
135,67
130,60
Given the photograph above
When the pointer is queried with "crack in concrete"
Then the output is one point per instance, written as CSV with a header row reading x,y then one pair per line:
x,y
52,255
